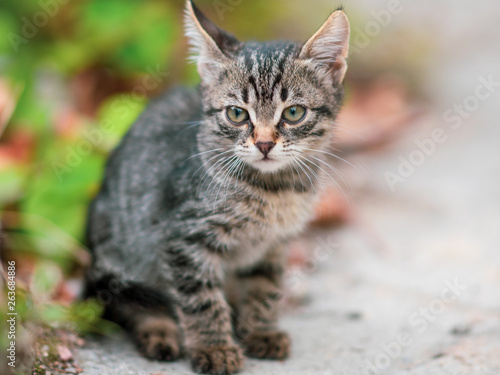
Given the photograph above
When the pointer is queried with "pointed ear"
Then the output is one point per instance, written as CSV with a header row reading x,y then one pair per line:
x,y
210,46
330,45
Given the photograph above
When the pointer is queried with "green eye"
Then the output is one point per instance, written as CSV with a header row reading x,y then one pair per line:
x,y
237,115
294,114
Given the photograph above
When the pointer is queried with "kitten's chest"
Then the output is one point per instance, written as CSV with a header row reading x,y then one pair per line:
x,y
261,222
286,213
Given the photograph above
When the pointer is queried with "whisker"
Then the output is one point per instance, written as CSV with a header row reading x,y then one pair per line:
x,y
226,171
307,175
214,166
191,124
315,175
293,174
204,152
215,178
230,169
298,174
320,182
300,177
235,171
335,182
213,157
240,173
345,128
335,170
336,156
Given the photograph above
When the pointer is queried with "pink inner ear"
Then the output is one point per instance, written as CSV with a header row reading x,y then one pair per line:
x,y
330,45
208,42
339,69
330,41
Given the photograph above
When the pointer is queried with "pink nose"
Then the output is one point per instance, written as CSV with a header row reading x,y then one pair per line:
x,y
265,147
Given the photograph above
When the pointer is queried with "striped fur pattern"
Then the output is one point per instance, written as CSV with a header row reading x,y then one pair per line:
x,y
189,228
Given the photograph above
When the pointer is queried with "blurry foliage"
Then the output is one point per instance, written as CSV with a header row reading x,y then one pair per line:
x,y
123,37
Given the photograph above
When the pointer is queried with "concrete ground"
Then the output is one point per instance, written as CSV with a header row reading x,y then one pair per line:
x,y
412,287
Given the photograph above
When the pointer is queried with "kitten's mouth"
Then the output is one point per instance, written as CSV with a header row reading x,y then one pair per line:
x,y
267,164
266,159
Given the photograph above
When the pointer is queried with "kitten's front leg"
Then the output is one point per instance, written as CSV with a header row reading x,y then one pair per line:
x,y
256,294
205,317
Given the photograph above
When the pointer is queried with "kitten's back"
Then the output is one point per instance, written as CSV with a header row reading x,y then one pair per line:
x,y
163,134
140,177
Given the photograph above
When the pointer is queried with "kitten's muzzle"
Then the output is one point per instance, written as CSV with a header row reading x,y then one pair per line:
x,y
265,147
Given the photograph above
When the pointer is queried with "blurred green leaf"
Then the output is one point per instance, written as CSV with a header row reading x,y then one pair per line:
x,y
62,196
118,113
46,277
8,30
12,182
86,318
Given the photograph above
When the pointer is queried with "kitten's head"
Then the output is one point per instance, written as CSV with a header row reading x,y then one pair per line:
x,y
269,102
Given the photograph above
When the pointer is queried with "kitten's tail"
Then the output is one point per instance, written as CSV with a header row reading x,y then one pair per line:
x,y
112,292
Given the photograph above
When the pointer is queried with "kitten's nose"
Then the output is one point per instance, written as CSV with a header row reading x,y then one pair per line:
x,y
265,147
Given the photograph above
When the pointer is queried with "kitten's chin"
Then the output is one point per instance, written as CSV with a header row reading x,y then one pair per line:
x,y
269,165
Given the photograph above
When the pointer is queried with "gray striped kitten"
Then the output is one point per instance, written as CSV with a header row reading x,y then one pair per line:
x,y
205,191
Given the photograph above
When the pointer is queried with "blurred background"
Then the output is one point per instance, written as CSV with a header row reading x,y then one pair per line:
x,y
418,201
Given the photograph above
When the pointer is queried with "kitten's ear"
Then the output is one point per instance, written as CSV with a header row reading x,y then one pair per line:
x,y
210,45
330,45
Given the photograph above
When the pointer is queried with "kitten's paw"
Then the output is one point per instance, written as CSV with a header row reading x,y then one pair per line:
x,y
158,338
268,345
217,361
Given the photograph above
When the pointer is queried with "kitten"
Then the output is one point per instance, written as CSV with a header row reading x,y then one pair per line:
x,y
207,188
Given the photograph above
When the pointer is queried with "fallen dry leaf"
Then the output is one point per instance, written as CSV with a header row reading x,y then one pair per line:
x,y
7,104
64,353
375,114
332,209
18,148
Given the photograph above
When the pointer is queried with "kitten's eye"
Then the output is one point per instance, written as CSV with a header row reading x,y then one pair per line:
x,y
294,114
237,115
